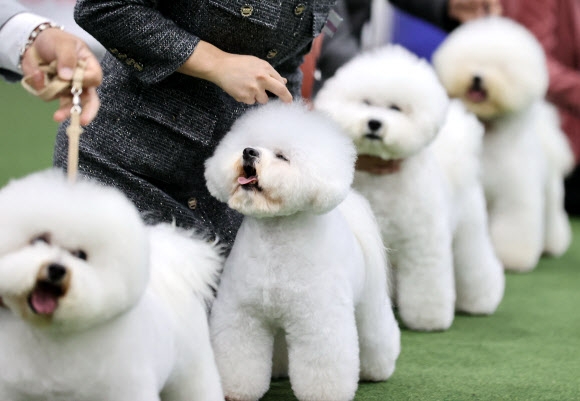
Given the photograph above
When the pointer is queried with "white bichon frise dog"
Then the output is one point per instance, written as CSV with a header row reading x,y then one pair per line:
x,y
498,69
307,267
418,166
94,305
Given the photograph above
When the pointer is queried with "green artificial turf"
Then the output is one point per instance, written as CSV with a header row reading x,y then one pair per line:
x,y
529,350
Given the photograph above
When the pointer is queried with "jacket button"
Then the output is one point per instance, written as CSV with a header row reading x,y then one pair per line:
x,y
299,9
138,66
272,53
246,10
192,203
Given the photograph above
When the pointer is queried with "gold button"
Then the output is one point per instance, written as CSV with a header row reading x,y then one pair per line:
x,y
138,66
114,50
272,53
192,203
246,10
121,56
129,61
299,9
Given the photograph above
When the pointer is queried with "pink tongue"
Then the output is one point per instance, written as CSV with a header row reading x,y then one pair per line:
x,y
244,180
43,302
476,96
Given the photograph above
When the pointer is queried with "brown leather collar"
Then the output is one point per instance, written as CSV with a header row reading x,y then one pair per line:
x,y
376,165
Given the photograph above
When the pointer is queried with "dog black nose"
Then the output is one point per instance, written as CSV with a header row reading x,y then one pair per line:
x,y
56,272
250,154
477,81
374,125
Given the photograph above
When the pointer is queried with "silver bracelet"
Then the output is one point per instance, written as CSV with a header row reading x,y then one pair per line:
x,y
33,35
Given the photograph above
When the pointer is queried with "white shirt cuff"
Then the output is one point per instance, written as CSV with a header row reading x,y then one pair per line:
x,y
14,35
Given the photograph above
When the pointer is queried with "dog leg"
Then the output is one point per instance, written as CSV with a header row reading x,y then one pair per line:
x,y
198,380
243,350
425,283
479,275
379,338
324,357
558,232
517,230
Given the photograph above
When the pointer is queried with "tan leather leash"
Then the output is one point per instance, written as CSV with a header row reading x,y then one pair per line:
x,y
55,86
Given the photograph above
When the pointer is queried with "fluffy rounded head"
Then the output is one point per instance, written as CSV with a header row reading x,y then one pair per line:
x,y
494,65
280,159
389,101
71,255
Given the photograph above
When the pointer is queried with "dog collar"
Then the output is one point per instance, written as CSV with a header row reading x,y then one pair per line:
x,y
377,165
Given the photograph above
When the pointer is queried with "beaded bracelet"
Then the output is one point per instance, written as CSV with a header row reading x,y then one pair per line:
x,y
33,35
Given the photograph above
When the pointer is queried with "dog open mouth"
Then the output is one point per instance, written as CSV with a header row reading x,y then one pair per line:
x,y
43,300
477,95
249,180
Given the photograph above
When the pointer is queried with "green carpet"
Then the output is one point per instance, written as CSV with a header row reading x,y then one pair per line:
x,y
528,350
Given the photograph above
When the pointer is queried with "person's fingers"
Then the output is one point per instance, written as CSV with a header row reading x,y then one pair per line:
x,y
262,97
63,111
93,75
495,8
37,80
90,102
30,63
274,74
279,89
66,58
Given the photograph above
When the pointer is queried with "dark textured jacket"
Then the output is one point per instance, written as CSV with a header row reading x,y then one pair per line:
x,y
156,127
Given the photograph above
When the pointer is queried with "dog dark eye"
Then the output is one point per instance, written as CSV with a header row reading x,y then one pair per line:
x,y
367,102
79,253
281,157
41,238
394,107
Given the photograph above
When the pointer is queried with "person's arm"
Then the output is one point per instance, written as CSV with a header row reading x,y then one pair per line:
x,y
14,31
541,18
152,47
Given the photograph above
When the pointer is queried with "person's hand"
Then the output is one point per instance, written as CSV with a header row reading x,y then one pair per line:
x,y
466,10
55,44
245,78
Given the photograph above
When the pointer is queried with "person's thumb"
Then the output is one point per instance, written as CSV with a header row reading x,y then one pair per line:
x,y
66,58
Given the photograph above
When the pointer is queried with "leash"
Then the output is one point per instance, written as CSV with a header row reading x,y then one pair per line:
x,y
55,86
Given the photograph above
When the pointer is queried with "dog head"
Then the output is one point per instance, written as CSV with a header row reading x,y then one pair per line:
x,y
280,159
389,101
494,65
71,255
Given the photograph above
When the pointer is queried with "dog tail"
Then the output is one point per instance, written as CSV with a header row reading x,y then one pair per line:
x,y
458,146
554,141
183,263
361,219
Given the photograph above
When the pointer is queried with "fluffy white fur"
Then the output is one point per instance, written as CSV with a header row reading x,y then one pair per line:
x,y
307,275
98,306
431,210
497,68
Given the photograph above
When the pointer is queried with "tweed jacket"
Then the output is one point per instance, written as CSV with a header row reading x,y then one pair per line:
x,y
8,9
156,127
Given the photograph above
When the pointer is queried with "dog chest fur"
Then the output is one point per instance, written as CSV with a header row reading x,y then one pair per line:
x,y
284,261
